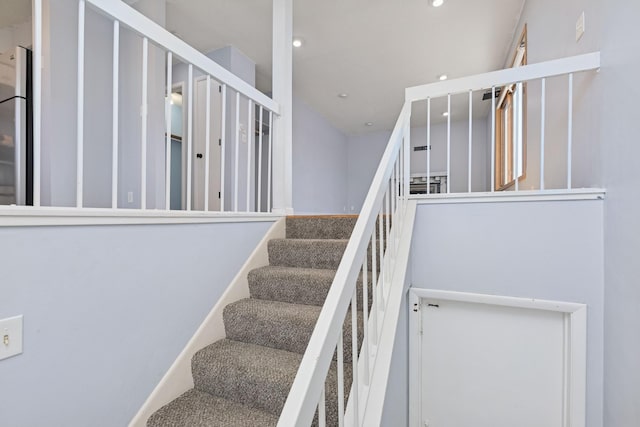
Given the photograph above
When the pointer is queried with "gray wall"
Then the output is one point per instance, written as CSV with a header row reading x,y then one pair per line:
x,y
242,66
107,309
551,35
365,152
60,108
319,163
605,153
621,151
544,250
459,174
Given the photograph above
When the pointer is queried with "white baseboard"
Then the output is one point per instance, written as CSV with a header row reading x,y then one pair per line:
x,y
178,378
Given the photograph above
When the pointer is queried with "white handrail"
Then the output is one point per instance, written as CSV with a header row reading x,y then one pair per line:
x,y
309,383
514,78
161,37
557,67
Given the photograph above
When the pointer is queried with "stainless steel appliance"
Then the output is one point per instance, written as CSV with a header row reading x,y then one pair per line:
x,y
16,127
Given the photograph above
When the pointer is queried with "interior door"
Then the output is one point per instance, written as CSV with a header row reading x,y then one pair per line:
x,y
199,144
490,366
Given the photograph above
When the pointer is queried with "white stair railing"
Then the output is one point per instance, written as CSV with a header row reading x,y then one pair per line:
x,y
369,256
507,176
373,246
261,112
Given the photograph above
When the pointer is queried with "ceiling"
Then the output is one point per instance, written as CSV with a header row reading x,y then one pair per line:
x,y
14,12
369,49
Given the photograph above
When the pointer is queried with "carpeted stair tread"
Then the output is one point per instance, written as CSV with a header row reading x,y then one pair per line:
x,y
198,409
250,374
320,227
306,253
273,324
278,325
289,284
245,378
296,285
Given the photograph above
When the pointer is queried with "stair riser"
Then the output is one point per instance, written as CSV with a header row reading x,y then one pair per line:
x,y
225,374
280,330
327,227
320,227
324,254
297,289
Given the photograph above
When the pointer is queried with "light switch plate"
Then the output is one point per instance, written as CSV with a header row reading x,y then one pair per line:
x,y
580,27
10,337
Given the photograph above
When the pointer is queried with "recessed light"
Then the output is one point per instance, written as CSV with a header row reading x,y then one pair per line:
x,y
442,77
369,124
445,114
297,42
437,3
343,95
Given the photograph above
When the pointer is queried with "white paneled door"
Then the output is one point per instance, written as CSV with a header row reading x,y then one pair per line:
x,y
493,365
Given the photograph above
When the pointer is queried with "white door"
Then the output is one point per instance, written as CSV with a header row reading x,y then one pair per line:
x,y
494,365
199,144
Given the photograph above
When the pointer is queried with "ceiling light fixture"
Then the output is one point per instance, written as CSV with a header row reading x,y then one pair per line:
x,y
297,42
369,124
442,77
343,95
445,114
437,3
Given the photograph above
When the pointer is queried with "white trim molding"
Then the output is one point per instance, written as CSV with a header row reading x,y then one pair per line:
x,y
575,346
511,196
29,216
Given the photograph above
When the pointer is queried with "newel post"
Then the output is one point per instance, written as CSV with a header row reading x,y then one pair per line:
x,y
283,95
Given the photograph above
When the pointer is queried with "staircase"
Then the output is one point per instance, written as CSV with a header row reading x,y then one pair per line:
x,y
245,378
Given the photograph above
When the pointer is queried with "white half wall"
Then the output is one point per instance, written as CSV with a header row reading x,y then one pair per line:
x,y
545,250
107,309
319,163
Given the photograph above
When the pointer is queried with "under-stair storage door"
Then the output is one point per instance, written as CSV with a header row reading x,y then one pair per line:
x,y
200,147
495,365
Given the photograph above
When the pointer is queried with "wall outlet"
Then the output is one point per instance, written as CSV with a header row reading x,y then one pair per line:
x,y
130,197
580,27
10,337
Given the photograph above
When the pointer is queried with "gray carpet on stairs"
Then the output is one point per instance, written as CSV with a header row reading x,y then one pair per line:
x,y
199,409
244,380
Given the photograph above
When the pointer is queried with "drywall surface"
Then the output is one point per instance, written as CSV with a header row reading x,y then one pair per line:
x,y
459,173
396,403
107,309
620,153
15,35
239,64
364,154
551,35
319,163
59,105
544,250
